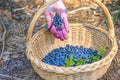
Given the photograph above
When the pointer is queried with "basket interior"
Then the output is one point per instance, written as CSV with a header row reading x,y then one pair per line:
x,y
43,41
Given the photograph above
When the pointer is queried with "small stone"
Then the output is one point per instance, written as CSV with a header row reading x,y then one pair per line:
x,y
16,17
37,24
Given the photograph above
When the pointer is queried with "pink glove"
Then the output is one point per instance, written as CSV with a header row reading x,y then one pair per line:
x,y
50,12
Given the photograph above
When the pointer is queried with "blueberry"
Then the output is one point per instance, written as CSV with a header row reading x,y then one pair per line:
x,y
44,60
76,47
85,49
64,49
53,23
60,23
58,28
60,48
81,47
95,54
67,45
90,49
99,56
95,51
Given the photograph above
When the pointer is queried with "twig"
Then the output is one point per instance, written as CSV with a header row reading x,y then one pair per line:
x,y
18,9
116,11
79,9
3,40
10,77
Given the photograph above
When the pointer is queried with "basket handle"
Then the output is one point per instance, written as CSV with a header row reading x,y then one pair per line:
x,y
41,10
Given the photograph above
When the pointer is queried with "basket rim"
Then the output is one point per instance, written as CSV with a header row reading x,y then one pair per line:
x,y
82,68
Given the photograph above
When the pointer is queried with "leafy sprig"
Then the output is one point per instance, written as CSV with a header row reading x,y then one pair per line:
x,y
69,61
102,50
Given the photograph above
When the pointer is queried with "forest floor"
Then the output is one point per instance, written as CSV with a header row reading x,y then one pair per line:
x,y
15,17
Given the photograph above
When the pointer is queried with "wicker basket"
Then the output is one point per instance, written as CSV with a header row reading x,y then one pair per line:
x,y
80,34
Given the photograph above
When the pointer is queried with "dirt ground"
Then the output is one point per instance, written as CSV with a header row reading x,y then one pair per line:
x,y
15,17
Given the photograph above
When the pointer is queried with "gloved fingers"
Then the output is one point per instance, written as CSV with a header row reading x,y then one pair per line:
x,y
61,35
50,22
64,31
65,34
57,36
54,32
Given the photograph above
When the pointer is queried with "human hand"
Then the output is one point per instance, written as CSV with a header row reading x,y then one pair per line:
x,y
50,12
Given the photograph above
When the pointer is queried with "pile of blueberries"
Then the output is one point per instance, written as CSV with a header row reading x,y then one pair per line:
x,y
58,56
57,22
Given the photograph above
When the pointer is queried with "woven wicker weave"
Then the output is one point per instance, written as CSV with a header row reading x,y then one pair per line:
x,y
80,34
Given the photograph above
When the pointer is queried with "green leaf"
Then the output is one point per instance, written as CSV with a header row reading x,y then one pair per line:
x,y
86,60
69,61
73,51
102,50
80,62
71,58
72,63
